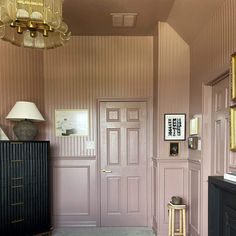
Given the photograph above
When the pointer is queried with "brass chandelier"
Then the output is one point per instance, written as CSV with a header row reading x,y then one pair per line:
x,y
33,23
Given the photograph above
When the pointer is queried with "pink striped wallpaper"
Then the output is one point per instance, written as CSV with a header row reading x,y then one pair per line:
x,y
21,78
88,68
171,80
211,50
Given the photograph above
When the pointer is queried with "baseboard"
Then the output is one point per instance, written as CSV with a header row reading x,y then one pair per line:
x,y
154,224
70,221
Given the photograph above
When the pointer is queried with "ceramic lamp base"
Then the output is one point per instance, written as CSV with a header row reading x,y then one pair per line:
x,y
25,130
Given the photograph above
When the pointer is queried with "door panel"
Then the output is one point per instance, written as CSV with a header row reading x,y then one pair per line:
x,y
123,163
220,115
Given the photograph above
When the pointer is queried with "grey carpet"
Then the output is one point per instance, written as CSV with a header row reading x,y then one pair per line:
x,y
106,231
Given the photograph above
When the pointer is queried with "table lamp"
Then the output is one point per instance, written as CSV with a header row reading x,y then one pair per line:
x,y
25,113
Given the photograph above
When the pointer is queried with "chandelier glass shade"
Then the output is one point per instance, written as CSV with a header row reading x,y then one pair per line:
x,y
33,23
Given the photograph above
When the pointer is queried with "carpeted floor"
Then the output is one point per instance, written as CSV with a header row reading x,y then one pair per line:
x,y
106,231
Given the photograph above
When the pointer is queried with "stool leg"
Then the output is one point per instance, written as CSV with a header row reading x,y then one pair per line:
x,y
173,222
169,231
180,222
184,223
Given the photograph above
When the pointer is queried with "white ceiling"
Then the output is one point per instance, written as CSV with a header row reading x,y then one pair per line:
x,y
92,17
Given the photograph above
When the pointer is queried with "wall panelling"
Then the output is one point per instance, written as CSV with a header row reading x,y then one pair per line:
x,y
171,180
194,198
74,192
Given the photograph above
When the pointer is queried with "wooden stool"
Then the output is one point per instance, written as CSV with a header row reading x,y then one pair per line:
x,y
182,219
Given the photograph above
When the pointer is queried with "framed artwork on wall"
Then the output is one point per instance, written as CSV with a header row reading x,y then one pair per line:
x,y
233,77
233,129
71,123
175,127
194,126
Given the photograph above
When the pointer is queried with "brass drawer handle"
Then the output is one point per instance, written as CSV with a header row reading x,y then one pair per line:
x,y
17,186
17,204
14,143
48,233
17,221
17,178
16,161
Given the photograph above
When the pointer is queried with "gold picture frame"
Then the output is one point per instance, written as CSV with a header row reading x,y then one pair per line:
x,y
233,77
233,129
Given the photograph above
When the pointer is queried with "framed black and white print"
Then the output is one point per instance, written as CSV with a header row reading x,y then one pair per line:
x,y
175,127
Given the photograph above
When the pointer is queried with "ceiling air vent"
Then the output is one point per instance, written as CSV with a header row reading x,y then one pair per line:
x,y
124,19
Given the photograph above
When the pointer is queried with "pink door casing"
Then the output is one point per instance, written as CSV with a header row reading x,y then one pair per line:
x,y
123,153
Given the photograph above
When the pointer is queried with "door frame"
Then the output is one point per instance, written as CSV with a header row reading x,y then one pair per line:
x,y
206,154
149,153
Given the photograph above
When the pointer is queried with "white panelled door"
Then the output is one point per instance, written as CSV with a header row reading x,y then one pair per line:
x,y
123,152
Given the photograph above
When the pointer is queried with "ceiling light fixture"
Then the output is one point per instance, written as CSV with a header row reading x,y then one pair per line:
x,y
33,23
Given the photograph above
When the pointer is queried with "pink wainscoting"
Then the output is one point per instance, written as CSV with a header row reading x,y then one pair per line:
x,y
172,180
21,79
74,192
194,198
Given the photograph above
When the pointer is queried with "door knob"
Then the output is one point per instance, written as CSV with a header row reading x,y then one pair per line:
x,y
106,171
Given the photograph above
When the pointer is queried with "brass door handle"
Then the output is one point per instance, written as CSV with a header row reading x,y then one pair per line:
x,y
106,171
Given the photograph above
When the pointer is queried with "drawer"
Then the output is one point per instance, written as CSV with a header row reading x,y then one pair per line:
x,y
17,194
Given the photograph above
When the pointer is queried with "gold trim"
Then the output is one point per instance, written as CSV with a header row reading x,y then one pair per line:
x,y
17,221
17,178
233,129
17,186
233,77
18,204
16,142
16,161
30,3
48,233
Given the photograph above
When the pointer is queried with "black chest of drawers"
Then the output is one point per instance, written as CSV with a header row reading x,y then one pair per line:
x,y
221,206
24,186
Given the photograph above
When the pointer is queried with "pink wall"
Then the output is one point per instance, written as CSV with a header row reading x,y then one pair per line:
x,y
21,78
210,57
88,68
171,95
171,80
211,50
76,75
